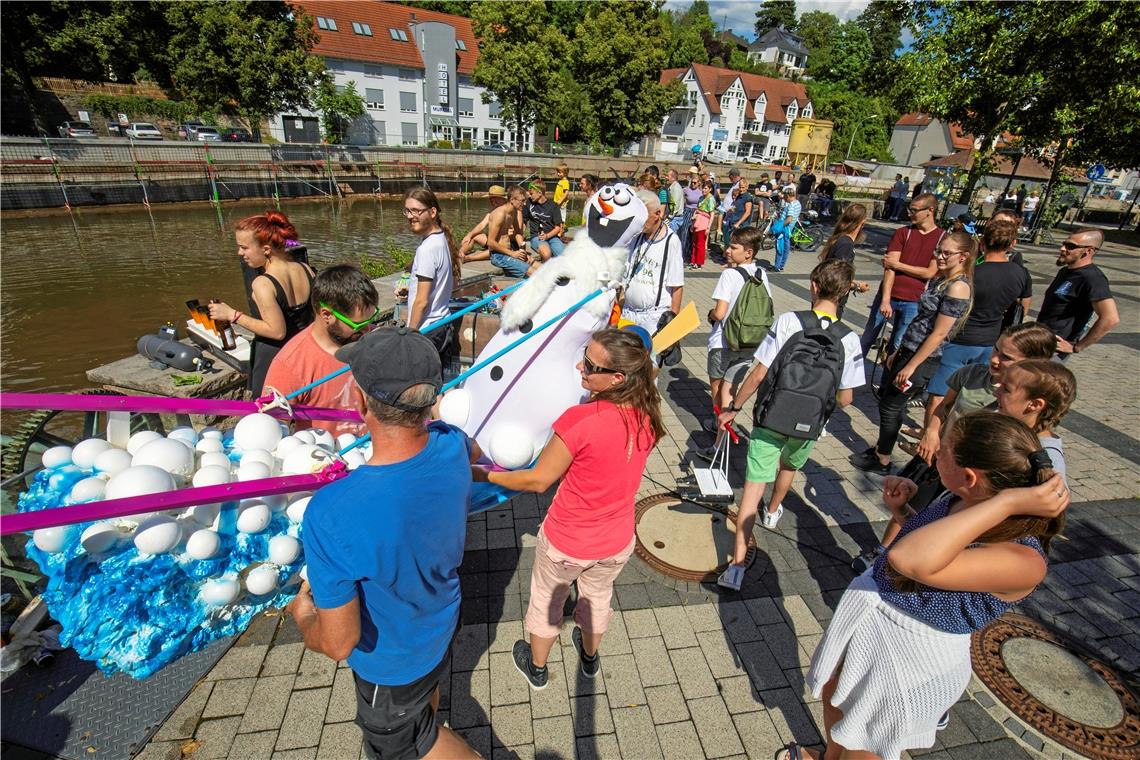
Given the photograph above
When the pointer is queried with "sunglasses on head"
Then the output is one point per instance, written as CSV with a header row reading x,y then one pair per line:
x,y
356,326
589,368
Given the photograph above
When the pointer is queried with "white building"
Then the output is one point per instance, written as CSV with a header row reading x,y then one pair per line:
x,y
412,67
733,115
782,49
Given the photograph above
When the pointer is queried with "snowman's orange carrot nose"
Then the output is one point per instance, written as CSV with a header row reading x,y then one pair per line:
x,y
607,209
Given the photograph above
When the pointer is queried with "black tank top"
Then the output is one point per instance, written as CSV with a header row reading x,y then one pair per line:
x,y
297,318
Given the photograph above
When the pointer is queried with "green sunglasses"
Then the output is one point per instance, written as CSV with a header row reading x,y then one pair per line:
x,y
356,326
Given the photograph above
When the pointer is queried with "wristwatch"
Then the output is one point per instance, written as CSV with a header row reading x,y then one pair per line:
x,y
732,407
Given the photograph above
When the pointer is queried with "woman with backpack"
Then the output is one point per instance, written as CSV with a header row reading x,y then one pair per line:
x,y
942,310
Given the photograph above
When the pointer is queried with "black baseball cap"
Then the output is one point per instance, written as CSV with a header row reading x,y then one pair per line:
x,y
388,361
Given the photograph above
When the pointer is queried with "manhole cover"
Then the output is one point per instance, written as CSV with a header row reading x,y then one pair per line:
x,y
1072,698
685,540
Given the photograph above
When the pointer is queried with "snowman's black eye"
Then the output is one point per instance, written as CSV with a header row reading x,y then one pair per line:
x,y
496,372
561,281
526,326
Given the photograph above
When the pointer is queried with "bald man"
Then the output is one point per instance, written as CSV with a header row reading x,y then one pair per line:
x,y
1078,291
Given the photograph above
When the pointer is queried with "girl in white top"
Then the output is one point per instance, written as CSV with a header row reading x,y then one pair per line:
x,y
436,265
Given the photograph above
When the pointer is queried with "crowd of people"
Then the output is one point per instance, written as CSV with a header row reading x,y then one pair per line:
x,y
972,513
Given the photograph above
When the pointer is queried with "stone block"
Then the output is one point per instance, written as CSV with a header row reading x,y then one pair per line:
x,y
216,737
703,617
591,714
508,686
340,740
511,725
603,747
636,734
469,651
675,627
502,635
524,752
304,718
761,665
578,684
739,694
667,704
738,622
501,539
239,662
256,746
653,664
554,700
479,737
554,737
316,671
788,714
171,750
715,727
617,637
342,701
229,697
471,699
640,624
692,672
781,640
267,705
720,655
283,659
184,719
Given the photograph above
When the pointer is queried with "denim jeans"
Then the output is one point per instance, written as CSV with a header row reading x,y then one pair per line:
x,y
556,245
902,312
510,265
783,248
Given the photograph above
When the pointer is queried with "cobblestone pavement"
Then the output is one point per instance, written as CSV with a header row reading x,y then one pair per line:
x,y
689,672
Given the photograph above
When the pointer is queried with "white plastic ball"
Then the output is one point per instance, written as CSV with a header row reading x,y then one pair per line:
x,y
324,439
112,461
207,445
211,475
138,480
99,537
297,507
215,459
305,436
253,471
52,540
210,432
276,502
257,431
184,433
253,516
345,440
258,455
511,448
85,452
455,407
203,544
261,580
140,439
56,457
219,592
305,460
203,514
286,445
88,489
157,535
353,459
171,455
284,550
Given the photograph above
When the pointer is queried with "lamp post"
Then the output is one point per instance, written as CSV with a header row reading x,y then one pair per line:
x,y
851,144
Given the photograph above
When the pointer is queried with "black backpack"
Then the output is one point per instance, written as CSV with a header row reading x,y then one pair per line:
x,y
798,393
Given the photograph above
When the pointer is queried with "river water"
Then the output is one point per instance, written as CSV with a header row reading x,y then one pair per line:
x,y
77,291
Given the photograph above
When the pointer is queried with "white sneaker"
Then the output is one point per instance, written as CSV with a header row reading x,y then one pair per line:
x,y
771,518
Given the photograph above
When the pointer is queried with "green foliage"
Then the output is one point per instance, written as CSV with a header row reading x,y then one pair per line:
x,y
465,145
136,106
454,7
883,21
338,108
392,257
686,46
443,144
866,118
568,108
773,13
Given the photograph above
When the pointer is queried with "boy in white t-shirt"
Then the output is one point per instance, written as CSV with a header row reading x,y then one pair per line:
x,y
768,451
741,254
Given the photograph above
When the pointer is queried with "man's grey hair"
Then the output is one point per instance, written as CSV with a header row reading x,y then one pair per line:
x,y
422,395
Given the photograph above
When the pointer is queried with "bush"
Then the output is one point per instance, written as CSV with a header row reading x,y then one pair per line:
x,y
444,144
465,144
135,106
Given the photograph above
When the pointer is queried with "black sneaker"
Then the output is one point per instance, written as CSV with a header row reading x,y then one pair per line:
x,y
868,461
591,666
943,722
534,675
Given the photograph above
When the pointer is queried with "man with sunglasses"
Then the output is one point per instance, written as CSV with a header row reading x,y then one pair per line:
x,y
1078,291
345,307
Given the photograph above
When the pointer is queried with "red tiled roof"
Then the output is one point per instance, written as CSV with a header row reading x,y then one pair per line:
x,y
1027,168
914,120
713,81
959,139
380,47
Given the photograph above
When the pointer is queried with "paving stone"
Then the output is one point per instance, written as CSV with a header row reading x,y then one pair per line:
x,y
715,727
471,699
316,670
554,737
789,717
554,700
981,724
267,705
514,753
342,702
675,627
511,725
591,714
693,672
703,617
155,750
617,637
469,652
636,735
762,667
604,747
576,683
302,753
502,635
501,539
667,704
781,640
184,719
508,687
479,737
679,741
340,740
256,746
720,655
763,610
739,694
738,622
304,718
282,659
640,624
653,665
229,697
632,597
239,662
216,737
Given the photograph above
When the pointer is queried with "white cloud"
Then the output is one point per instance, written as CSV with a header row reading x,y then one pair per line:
x,y
740,17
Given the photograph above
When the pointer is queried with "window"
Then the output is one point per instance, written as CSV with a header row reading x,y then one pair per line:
x,y
492,136
399,35
461,45
407,102
408,133
772,151
373,99
464,80
701,121
467,135
373,70
363,29
407,75
326,23
378,133
466,106
495,108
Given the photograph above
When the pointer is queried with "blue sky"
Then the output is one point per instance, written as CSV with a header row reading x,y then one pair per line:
x,y
740,17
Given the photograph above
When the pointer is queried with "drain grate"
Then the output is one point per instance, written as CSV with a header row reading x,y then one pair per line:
x,y
685,540
1070,697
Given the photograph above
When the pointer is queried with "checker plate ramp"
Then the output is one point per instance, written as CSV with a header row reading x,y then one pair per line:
x,y
70,708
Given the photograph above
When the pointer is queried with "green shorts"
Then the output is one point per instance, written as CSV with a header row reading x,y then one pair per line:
x,y
767,451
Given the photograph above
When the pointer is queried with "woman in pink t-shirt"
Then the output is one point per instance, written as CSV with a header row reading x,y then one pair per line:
x,y
598,449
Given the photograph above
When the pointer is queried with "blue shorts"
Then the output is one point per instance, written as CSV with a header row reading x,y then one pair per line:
x,y
555,244
954,357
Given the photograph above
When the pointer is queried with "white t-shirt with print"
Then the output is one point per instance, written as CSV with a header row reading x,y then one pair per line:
x,y
641,302
728,289
433,261
788,324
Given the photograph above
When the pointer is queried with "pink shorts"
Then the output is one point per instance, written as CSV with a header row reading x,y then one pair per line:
x,y
550,585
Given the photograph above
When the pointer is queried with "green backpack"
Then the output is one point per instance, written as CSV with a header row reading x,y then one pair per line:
x,y
751,315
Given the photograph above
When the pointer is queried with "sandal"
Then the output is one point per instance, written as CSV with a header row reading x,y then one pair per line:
x,y
796,752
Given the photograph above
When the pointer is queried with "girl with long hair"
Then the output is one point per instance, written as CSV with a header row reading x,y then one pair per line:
x,y
435,269
896,655
279,296
598,450
841,245
942,310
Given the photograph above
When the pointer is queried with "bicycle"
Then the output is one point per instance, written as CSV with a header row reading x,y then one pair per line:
x,y
806,234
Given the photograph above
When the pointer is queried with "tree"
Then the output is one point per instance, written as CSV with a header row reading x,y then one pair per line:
x,y
338,107
867,119
618,62
686,46
775,13
818,30
883,21
518,60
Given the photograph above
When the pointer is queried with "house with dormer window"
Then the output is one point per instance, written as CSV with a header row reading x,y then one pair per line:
x,y
733,115
780,48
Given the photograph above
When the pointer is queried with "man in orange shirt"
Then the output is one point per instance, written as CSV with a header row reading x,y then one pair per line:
x,y
345,305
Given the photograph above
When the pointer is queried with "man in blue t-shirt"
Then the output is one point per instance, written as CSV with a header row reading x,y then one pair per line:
x,y
383,571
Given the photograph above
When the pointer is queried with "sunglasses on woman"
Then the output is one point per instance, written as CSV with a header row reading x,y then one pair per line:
x,y
356,326
589,368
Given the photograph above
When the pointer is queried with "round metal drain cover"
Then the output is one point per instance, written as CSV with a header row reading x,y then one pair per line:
x,y
1072,698
685,540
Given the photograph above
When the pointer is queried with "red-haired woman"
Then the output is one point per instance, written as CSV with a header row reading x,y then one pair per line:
x,y
280,295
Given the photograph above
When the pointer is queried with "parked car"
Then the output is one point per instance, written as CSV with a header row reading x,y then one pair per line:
x,y
141,130
236,134
495,147
187,130
207,134
76,129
